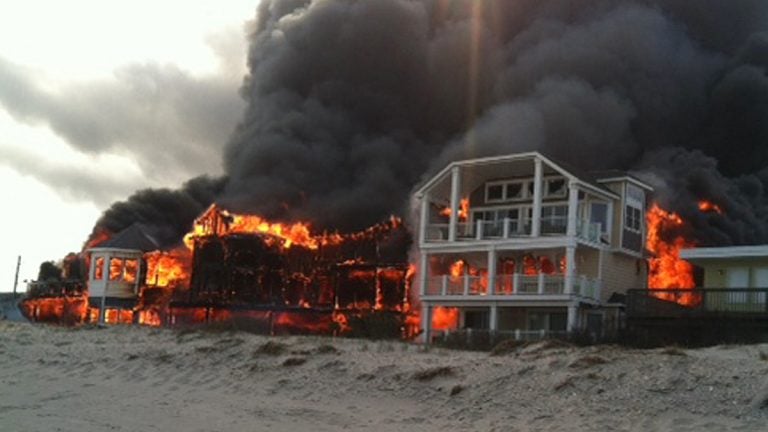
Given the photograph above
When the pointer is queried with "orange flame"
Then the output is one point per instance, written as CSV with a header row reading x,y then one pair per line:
x,y
216,221
708,206
463,210
170,268
445,318
666,269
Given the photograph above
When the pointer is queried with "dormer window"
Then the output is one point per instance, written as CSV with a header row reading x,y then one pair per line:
x,y
633,218
633,211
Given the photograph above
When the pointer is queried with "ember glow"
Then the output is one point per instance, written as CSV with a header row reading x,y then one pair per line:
x,y
708,206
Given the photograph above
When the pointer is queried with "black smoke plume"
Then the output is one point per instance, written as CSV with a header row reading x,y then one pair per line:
x,y
351,103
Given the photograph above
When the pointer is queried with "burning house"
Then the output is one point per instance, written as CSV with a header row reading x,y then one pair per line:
x,y
349,104
519,244
242,266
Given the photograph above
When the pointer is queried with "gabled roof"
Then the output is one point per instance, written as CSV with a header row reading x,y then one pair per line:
x,y
580,178
135,237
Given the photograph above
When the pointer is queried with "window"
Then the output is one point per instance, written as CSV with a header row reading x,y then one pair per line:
x,y
555,188
598,213
554,219
130,271
504,191
514,191
494,192
98,272
633,219
115,269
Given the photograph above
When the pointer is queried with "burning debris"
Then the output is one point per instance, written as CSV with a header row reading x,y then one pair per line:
x,y
242,266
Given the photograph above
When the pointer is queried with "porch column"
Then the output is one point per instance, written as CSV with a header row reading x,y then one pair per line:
x,y
492,272
423,273
105,279
573,318
493,317
455,198
426,323
538,173
570,268
424,219
573,208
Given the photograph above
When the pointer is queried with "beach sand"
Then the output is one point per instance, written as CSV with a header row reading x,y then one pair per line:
x,y
127,378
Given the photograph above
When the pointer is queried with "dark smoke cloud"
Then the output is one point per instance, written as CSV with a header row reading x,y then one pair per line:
x,y
350,103
171,123
166,213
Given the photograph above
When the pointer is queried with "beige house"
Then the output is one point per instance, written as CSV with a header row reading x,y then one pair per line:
x,y
735,277
525,245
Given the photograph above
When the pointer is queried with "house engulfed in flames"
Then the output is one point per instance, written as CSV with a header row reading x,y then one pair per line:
x,y
517,244
232,265
523,245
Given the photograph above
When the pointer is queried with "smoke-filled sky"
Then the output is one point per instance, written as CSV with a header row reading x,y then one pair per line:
x,y
101,98
346,105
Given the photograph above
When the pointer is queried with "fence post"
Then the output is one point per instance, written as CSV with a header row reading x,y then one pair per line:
x,y
541,283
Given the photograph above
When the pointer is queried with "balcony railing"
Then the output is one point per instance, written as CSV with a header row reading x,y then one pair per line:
x,y
700,301
511,228
511,285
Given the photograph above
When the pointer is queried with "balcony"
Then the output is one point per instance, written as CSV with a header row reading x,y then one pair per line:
x,y
511,285
512,228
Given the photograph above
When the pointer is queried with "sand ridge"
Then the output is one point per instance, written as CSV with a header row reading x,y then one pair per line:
x,y
139,378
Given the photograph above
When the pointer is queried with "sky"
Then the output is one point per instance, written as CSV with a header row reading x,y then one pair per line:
x,y
102,98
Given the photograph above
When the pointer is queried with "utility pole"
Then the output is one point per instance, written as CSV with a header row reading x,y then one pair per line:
x,y
16,278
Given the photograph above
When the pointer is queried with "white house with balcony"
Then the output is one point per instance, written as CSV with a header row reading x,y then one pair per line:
x,y
525,245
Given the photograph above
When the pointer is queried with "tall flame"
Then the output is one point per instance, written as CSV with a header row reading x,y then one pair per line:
x,y
666,269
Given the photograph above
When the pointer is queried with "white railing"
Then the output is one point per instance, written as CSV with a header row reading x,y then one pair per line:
x,y
511,228
512,284
466,285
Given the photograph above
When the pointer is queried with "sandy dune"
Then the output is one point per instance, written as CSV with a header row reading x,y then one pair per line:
x,y
142,379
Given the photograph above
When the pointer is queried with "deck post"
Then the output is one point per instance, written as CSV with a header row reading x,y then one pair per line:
x,y
424,221
105,278
492,272
424,273
444,288
426,323
493,318
455,198
466,284
573,318
541,283
538,174
479,229
573,207
515,283
570,268
505,228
